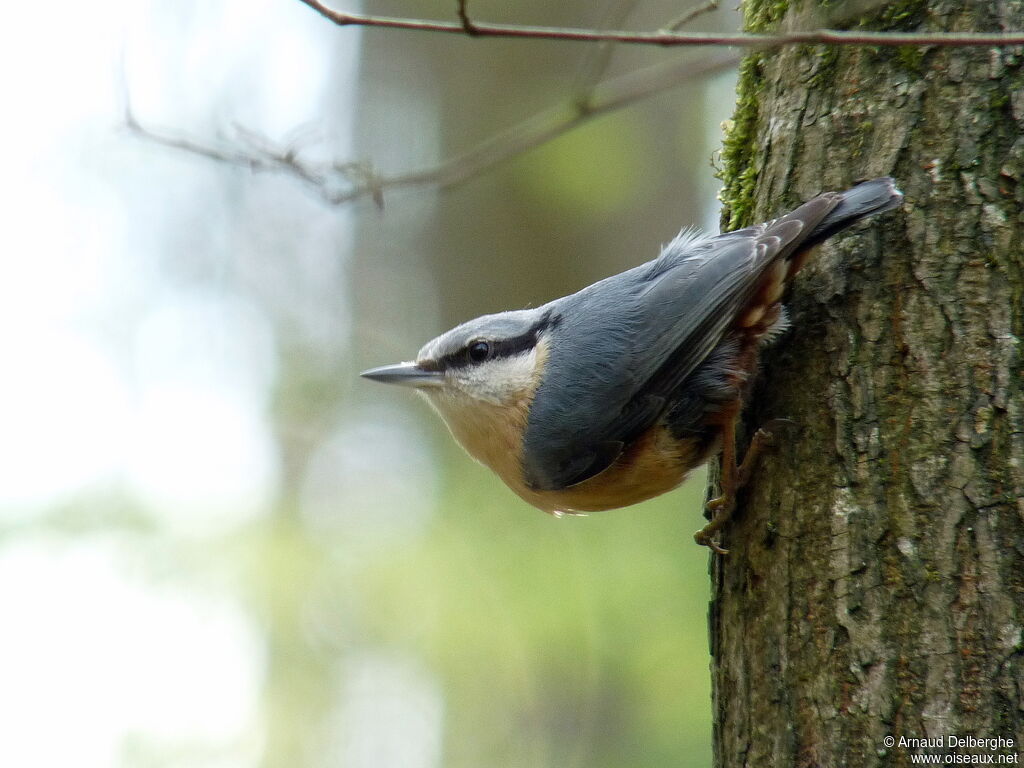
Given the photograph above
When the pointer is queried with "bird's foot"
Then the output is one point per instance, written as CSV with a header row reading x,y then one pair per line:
x,y
722,509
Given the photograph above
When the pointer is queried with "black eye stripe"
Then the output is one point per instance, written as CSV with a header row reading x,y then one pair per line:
x,y
497,348
509,347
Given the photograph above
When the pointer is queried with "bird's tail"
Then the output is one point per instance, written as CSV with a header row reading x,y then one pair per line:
x,y
859,202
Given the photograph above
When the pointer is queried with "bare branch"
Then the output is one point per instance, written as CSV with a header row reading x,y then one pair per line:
x,y
685,18
736,40
335,182
597,57
339,182
467,24
343,182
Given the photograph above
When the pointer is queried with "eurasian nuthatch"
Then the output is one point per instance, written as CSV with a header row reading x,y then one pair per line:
x,y
612,395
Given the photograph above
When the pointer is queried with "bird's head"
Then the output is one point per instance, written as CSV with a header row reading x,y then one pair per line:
x,y
492,361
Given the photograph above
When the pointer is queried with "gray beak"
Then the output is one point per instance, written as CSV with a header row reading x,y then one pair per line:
x,y
406,374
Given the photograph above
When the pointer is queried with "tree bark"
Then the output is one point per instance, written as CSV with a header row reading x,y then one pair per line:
x,y
875,586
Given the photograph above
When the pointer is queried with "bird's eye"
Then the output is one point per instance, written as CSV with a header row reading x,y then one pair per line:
x,y
478,351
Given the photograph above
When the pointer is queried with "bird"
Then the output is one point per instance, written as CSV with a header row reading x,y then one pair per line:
x,y
613,395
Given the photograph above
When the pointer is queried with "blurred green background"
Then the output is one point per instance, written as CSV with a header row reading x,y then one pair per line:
x,y
218,545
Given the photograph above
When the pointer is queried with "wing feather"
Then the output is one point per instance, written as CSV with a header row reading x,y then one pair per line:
x,y
627,342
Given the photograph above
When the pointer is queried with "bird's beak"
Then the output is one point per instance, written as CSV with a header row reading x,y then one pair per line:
x,y
406,374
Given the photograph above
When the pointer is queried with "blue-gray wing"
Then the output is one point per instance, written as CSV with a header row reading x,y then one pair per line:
x,y
627,342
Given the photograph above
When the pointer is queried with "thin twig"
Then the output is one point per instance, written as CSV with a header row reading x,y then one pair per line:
x,y
685,18
736,40
344,182
334,182
467,24
596,58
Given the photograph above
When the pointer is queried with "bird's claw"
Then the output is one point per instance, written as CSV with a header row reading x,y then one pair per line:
x,y
707,541
722,508
714,504
734,478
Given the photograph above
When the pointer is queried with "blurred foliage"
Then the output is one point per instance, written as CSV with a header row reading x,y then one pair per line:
x,y
595,172
572,642
579,641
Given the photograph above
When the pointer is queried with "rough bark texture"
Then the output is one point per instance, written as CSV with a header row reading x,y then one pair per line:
x,y
876,582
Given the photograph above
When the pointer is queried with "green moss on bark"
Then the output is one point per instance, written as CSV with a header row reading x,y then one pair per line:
x,y
739,162
762,15
904,15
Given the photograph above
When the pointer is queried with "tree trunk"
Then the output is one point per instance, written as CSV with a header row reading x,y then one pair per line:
x,y
875,586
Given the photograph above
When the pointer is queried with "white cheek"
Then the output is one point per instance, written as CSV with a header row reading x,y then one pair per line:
x,y
498,381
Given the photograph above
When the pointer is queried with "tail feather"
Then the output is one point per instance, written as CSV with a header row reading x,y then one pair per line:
x,y
866,199
785,249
